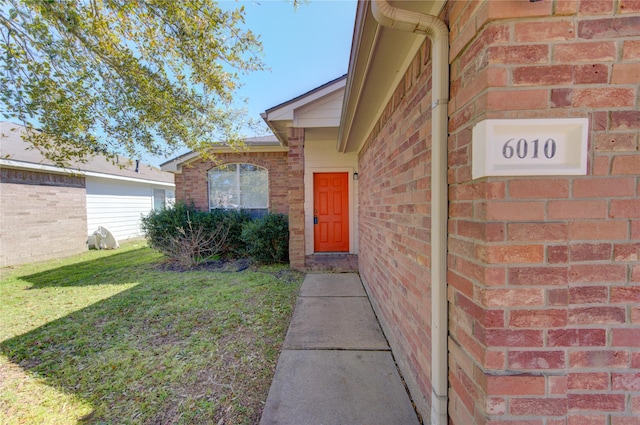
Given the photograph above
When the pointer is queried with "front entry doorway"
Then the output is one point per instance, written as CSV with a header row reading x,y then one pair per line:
x,y
331,212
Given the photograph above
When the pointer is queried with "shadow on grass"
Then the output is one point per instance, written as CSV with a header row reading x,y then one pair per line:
x,y
111,269
176,348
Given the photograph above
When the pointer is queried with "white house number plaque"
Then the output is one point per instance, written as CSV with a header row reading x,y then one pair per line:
x,y
530,147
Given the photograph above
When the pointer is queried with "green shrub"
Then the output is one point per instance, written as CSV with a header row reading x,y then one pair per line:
x,y
189,236
160,224
267,239
234,221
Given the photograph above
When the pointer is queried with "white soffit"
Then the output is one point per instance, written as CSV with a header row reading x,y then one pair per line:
x,y
379,59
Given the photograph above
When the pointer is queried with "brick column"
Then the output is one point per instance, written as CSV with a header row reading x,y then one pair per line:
x,y
296,198
544,280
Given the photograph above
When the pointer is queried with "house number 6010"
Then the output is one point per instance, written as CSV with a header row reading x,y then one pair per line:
x,y
521,148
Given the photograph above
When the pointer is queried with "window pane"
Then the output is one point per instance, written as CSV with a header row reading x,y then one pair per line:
x,y
254,187
223,187
158,199
243,186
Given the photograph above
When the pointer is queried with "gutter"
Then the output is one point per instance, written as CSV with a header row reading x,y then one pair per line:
x,y
438,33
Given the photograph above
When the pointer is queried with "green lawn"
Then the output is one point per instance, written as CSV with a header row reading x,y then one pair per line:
x,y
111,337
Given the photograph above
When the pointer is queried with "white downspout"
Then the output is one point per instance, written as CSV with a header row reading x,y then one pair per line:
x,y
438,33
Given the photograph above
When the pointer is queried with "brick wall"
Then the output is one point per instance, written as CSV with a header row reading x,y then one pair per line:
x,y
296,198
191,184
544,273
394,222
42,216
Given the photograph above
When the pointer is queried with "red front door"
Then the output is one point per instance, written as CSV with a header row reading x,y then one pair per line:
x,y
331,212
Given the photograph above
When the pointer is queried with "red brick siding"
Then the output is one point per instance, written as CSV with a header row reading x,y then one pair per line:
x,y
543,272
394,221
43,216
296,198
191,183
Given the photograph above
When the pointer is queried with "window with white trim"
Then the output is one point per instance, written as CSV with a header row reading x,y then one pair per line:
x,y
239,186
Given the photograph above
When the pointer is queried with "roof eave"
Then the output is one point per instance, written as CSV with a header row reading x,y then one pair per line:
x,y
280,118
379,58
175,165
53,169
278,128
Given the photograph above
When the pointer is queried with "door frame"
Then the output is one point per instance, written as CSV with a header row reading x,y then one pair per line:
x,y
308,206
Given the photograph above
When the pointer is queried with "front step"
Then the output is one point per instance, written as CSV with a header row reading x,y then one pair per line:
x,y
336,263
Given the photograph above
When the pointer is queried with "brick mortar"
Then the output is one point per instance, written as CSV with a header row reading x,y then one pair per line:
x,y
499,282
18,176
501,230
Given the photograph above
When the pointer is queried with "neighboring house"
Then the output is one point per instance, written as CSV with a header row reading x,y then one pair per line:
x,y
509,295
48,212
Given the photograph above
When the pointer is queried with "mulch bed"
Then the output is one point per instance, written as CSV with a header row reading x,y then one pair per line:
x,y
231,266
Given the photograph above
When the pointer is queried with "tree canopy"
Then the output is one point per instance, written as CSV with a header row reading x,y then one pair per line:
x,y
123,76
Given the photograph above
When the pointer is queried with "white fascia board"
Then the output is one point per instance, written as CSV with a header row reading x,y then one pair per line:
x,y
58,170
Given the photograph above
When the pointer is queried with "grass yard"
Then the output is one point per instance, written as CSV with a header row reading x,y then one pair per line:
x,y
112,337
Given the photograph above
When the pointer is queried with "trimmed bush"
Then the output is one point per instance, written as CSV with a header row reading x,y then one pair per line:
x,y
267,239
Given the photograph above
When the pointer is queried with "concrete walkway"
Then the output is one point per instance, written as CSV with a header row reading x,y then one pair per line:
x,y
336,366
